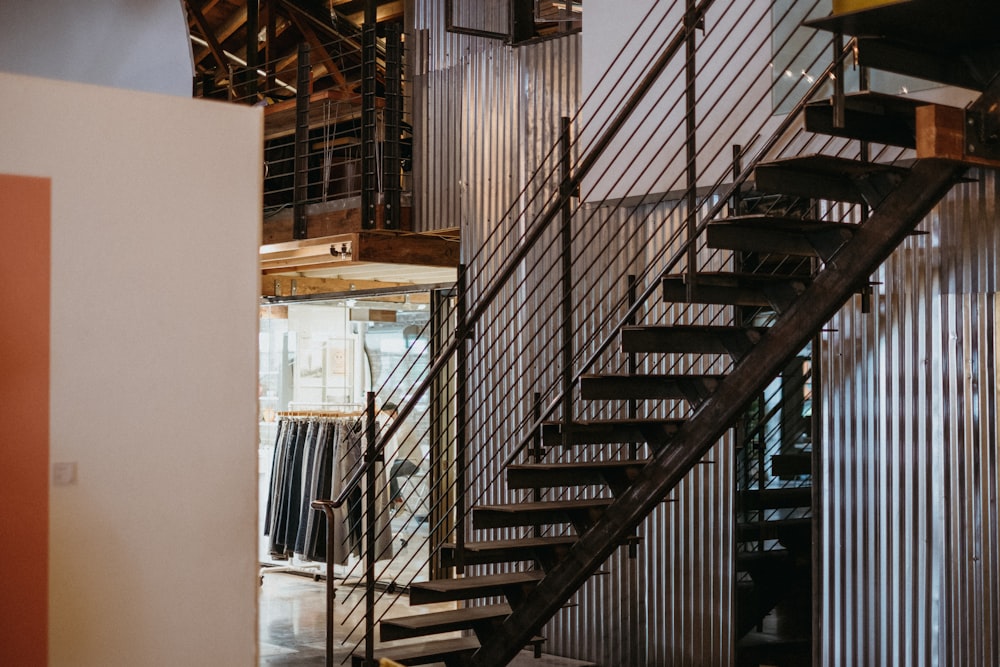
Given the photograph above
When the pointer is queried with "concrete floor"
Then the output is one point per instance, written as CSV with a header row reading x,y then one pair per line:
x,y
293,623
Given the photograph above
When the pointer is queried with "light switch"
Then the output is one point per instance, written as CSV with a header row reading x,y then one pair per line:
x,y
64,473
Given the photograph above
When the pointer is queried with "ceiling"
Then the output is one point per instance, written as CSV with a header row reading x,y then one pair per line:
x,y
219,30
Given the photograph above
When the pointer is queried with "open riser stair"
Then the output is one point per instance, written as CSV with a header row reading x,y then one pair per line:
x,y
789,274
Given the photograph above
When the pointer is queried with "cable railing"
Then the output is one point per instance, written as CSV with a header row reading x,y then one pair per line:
x,y
512,309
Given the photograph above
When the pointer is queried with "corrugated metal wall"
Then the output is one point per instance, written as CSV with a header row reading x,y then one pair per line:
x,y
910,478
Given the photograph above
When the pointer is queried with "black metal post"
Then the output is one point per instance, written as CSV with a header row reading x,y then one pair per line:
x,y
566,255
269,50
537,452
839,113
369,162
633,365
692,20
816,483
371,456
393,120
253,49
300,177
327,507
461,397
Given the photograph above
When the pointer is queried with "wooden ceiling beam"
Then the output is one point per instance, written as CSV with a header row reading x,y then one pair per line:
x,y
300,286
225,31
213,44
388,11
317,45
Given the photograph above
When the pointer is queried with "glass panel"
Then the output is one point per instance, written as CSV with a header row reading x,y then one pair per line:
x,y
318,360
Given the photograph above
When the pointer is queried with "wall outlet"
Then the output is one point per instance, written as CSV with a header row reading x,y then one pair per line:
x,y
64,473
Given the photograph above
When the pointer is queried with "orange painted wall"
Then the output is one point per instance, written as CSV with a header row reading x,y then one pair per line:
x,y
25,257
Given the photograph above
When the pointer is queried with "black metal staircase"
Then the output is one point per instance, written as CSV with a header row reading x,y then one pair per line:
x,y
949,44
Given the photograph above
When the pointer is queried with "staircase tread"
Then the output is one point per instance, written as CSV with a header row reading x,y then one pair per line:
x,y
921,22
521,542
579,465
615,422
694,328
781,223
546,505
731,277
451,617
461,583
819,163
410,650
654,376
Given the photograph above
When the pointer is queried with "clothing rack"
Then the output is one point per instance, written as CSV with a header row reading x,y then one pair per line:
x,y
315,452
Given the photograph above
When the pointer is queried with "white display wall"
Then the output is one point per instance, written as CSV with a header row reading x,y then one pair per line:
x,y
155,219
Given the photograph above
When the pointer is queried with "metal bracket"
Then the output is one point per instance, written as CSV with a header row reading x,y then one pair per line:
x,y
982,134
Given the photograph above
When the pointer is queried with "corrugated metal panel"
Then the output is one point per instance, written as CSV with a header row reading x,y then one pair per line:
x,y
911,570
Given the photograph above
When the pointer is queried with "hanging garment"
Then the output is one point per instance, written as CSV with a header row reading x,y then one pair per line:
x,y
313,458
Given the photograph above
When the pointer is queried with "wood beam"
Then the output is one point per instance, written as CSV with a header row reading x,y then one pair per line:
x,y
225,31
320,50
389,11
368,247
941,133
213,44
298,286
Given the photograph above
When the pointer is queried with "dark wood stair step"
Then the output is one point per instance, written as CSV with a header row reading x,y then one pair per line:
x,y
616,474
580,513
689,339
828,177
694,388
420,625
509,551
791,465
427,652
868,116
598,432
943,25
782,236
449,651
932,62
779,498
776,529
467,588
735,289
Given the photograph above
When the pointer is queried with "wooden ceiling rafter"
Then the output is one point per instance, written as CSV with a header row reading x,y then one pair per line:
x,y
320,49
226,30
215,48
386,13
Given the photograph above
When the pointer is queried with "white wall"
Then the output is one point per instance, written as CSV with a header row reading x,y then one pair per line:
x,y
135,44
648,155
155,231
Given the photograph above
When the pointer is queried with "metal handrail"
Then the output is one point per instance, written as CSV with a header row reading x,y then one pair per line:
x,y
721,203
540,225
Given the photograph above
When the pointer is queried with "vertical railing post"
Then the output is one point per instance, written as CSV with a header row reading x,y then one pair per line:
x,y
269,47
839,112
300,176
566,255
371,490
633,364
393,120
461,398
253,49
369,162
327,508
691,22
537,451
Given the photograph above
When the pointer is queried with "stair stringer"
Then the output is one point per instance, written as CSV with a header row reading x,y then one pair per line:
x,y
928,181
